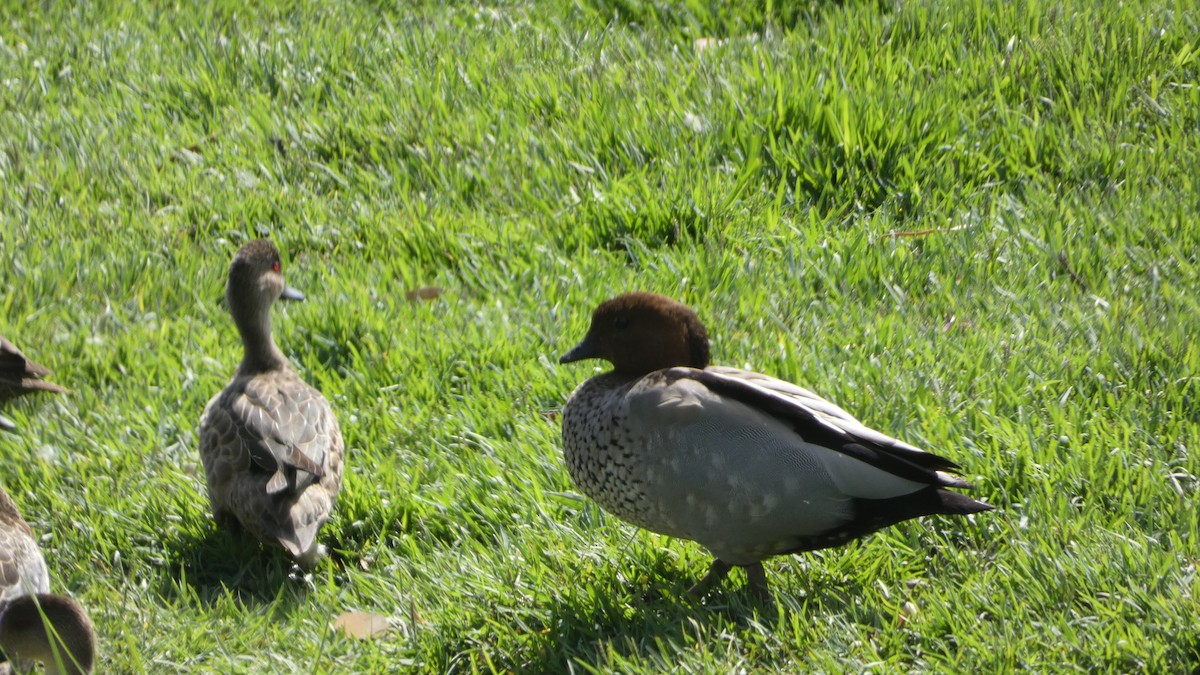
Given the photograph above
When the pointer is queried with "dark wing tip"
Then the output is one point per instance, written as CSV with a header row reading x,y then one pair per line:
x,y
959,504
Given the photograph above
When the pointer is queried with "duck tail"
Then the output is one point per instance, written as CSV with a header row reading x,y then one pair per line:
x,y
876,514
304,519
302,546
955,503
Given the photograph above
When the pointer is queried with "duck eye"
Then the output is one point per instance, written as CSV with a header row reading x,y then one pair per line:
x,y
275,265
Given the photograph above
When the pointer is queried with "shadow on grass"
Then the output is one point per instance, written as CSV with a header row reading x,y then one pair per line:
x,y
1191,659
218,562
611,622
614,620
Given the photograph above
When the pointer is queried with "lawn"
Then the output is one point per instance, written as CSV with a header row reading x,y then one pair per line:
x,y
973,224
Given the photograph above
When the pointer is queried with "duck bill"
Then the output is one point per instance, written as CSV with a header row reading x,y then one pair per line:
x,y
290,293
584,350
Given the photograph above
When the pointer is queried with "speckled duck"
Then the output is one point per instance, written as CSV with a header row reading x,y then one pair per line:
x,y
271,446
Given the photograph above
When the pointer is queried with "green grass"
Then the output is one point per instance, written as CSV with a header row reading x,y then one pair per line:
x,y
535,158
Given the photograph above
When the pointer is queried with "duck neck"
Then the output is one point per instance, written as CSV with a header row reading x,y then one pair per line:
x,y
260,351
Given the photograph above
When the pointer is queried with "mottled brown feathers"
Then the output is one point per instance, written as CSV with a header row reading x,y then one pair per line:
x,y
25,599
270,443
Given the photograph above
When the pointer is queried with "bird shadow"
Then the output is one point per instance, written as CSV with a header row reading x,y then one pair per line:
x,y
621,618
211,565
645,613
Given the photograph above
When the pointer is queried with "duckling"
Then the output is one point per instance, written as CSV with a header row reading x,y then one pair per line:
x,y
747,465
271,446
28,609
20,376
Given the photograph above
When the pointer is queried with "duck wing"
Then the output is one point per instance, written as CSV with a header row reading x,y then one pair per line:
x,y
281,424
751,467
821,422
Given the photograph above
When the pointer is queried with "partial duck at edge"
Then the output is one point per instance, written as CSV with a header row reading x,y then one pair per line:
x,y
28,609
20,376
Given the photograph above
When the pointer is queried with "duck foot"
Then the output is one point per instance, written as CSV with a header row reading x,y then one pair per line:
x,y
755,574
717,571
756,581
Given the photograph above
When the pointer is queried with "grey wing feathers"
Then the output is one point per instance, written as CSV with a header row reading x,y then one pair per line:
x,y
284,432
826,412
272,454
833,426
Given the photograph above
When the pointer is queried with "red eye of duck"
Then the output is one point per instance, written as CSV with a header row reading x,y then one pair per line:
x,y
275,265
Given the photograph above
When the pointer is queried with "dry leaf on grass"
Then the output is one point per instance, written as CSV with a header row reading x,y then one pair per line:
x,y
361,625
423,293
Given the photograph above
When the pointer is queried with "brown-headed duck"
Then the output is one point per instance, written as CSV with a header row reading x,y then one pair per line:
x,y
20,376
747,465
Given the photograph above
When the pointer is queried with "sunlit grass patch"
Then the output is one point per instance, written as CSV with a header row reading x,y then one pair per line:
x,y
972,224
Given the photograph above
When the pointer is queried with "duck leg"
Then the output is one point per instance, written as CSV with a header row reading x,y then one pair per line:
x,y
716,574
756,578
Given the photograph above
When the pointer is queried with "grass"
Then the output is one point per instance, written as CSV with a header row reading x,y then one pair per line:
x,y
973,224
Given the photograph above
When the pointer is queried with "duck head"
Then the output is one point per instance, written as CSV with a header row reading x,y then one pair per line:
x,y
24,635
20,376
255,283
639,333
256,278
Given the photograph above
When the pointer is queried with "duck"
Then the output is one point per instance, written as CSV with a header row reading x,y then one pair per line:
x,y
270,443
20,376
747,465
25,599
